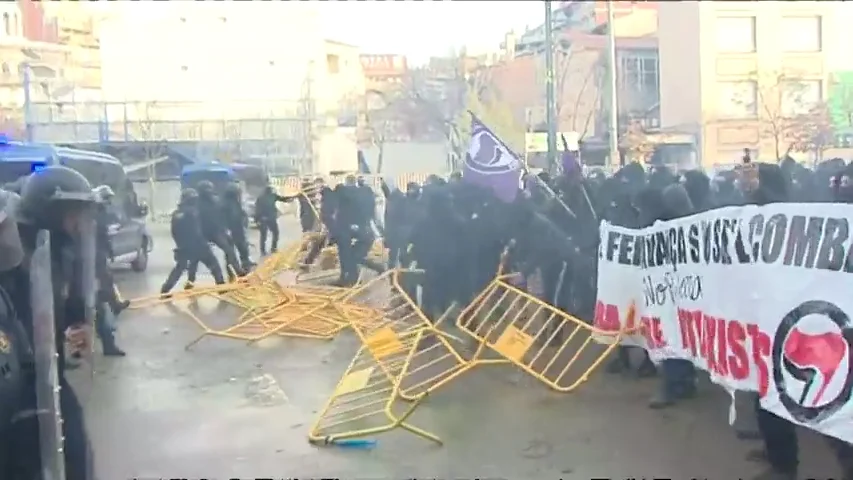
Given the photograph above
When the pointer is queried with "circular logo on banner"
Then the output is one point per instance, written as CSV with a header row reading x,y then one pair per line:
x,y
812,365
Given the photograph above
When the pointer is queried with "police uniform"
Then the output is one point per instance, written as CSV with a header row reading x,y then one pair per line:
x,y
266,215
191,246
57,200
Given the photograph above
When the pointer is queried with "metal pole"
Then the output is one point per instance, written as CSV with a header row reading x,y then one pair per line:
x,y
550,113
28,114
612,74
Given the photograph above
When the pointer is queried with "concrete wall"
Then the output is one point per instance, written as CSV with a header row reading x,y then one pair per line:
x,y
409,157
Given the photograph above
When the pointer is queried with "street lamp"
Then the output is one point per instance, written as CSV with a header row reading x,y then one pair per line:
x,y
550,107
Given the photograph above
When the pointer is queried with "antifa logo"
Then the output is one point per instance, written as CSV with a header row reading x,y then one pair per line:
x,y
813,372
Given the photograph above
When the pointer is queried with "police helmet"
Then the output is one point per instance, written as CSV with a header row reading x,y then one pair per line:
x,y
49,193
188,195
11,251
413,189
205,187
103,192
233,190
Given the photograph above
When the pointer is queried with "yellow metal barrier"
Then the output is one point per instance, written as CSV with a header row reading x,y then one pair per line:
x,y
552,346
436,361
365,401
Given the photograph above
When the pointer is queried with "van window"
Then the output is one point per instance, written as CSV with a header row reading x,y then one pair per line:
x,y
97,172
11,170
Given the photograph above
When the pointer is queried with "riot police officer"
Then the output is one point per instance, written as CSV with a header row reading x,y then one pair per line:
x,y
214,229
107,290
266,214
191,246
60,201
15,352
237,221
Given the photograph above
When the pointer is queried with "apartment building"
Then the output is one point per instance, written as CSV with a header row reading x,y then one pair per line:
x,y
731,73
61,67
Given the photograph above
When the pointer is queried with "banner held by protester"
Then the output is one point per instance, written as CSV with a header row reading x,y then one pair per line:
x,y
757,296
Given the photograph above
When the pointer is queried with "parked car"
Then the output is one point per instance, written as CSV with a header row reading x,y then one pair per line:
x,y
129,235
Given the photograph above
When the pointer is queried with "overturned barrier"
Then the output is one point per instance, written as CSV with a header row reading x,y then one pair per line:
x,y
266,307
366,399
403,356
554,347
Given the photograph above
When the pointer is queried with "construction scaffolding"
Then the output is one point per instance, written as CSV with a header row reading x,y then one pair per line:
x,y
280,131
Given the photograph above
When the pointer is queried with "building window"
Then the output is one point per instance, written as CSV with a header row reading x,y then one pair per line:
x,y
6,70
639,74
7,28
184,68
332,64
801,34
737,99
800,97
735,34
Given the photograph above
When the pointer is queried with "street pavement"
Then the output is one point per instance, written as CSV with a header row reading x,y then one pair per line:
x,y
224,409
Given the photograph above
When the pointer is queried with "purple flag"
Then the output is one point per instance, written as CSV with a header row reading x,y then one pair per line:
x,y
569,161
490,163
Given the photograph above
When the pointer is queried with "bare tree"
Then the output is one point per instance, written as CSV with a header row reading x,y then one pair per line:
x,y
228,148
782,104
636,143
812,132
379,115
593,82
149,130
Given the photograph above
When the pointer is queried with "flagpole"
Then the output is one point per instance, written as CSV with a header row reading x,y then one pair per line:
x,y
613,127
550,113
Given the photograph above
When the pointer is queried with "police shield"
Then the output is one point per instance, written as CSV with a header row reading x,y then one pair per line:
x,y
46,361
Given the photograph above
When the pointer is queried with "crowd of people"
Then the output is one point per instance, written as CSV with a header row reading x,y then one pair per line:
x,y
456,232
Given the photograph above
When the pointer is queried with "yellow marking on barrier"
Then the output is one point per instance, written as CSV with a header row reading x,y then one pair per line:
x,y
373,407
383,343
513,344
434,362
550,345
354,381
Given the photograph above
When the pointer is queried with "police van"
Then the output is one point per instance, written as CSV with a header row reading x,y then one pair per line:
x,y
129,235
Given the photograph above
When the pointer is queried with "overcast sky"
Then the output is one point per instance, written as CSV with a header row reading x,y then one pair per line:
x,y
418,29
422,29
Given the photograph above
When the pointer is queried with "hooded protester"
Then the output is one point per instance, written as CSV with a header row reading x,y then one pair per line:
x,y
698,187
678,376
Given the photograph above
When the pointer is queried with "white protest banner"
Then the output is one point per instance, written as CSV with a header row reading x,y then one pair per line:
x,y
760,297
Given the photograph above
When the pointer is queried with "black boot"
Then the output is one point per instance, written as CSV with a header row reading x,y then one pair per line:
x,y
111,350
119,307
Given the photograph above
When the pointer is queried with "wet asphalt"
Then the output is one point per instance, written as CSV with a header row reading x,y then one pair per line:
x,y
226,409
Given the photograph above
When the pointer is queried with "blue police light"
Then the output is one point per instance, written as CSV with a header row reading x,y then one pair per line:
x,y
4,139
38,166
